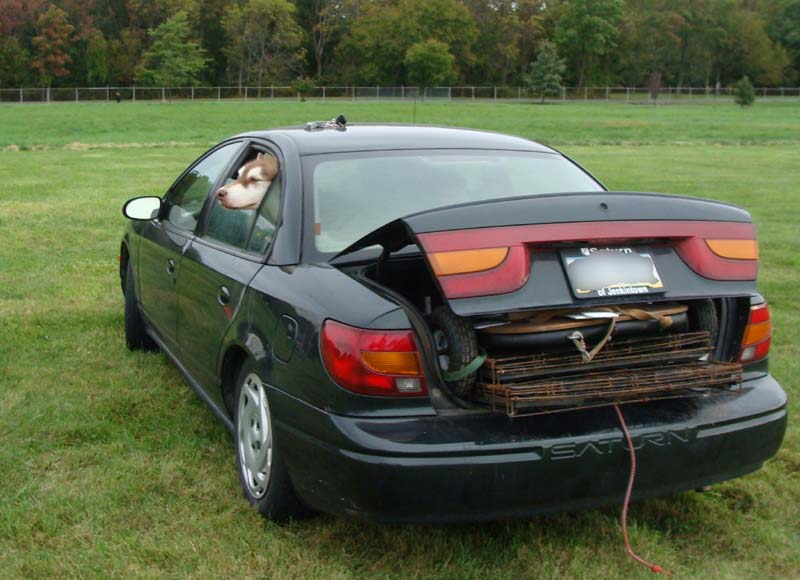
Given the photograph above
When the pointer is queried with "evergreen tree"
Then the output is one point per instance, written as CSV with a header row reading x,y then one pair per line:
x,y
745,95
173,59
546,72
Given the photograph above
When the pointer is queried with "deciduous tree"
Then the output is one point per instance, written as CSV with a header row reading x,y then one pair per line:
x,y
587,31
264,40
173,59
374,49
50,45
96,59
429,63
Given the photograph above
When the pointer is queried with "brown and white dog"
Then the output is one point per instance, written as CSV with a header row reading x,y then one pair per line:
x,y
252,182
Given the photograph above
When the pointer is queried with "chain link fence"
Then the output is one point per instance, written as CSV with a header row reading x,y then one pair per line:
x,y
381,93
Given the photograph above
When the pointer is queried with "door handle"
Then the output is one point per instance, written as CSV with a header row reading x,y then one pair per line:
x,y
170,266
224,296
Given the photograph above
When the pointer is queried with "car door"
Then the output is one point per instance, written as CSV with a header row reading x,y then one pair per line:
x,y
216,270
164,240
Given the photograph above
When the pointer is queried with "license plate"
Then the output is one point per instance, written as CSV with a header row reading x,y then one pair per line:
x,y
611,272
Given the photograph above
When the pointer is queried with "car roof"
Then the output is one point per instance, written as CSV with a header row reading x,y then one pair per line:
x,y
366,137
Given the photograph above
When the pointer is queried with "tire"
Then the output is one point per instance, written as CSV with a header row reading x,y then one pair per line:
x,y
456,347
136,337
259,456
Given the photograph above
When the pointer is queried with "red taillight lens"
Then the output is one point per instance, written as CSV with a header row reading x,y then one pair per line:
x,y
485,272
373,362
757,335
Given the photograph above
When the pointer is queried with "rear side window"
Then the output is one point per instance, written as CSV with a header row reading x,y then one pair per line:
x,y
185,200
246,229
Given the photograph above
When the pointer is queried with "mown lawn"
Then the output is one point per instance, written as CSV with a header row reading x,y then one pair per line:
x,y
111,466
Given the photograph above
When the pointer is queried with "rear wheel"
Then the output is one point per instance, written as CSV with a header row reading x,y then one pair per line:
x,y
259,458
136,337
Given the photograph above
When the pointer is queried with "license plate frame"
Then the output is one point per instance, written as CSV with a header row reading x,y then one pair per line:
x,y
611,272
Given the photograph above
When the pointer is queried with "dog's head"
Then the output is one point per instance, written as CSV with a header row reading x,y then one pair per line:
x,y
252,182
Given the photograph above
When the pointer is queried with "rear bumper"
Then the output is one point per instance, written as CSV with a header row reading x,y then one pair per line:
x,y
470,467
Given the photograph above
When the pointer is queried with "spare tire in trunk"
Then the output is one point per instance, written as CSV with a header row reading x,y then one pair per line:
x,y
456,350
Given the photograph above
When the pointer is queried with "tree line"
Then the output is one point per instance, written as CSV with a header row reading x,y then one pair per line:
x,y
397,42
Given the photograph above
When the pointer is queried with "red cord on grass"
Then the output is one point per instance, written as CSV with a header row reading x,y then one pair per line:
x,y
654,567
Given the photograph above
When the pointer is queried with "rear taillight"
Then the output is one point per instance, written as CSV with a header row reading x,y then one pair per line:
x,y
757,335
482,272
372,362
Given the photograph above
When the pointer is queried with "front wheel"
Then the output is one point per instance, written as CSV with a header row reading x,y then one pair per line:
x,y
136,337
259,459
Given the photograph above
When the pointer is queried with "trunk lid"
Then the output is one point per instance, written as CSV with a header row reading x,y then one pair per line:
x,y
525,253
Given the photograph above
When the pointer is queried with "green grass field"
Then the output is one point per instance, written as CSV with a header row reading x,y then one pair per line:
x,y
110,466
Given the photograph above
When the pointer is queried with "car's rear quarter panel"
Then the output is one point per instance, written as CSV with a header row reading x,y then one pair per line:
x,y
308,295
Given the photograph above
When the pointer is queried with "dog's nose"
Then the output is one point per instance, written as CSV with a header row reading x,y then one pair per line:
x,y
221,193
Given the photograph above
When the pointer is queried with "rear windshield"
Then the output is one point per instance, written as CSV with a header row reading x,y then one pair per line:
x,y
355,193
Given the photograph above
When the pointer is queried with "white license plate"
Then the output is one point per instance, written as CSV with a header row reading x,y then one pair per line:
x,y
611,272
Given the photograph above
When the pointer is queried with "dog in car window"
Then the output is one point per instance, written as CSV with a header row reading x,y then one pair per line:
x,y
252,183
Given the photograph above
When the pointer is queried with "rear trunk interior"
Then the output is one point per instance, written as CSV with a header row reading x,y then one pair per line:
x,y
548,360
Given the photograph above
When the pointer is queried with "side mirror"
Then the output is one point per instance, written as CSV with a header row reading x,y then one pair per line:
x,y
142,208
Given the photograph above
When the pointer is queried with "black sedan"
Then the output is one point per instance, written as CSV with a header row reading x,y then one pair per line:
x,y
432,324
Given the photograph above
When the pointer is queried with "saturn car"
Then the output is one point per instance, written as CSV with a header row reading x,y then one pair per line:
x,y
393,331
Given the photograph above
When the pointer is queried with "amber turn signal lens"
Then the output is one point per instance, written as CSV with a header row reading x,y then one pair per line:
x,y
465,261
392,363
757,332
734,249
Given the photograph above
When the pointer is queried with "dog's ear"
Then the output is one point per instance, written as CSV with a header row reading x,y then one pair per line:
x,y
270,168
260,156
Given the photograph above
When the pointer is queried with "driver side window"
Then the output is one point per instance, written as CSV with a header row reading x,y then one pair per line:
x,y
185,200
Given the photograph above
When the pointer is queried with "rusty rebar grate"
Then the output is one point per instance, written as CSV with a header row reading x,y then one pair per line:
x,y
641,369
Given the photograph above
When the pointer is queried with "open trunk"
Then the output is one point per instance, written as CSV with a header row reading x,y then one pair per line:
x,y
546,303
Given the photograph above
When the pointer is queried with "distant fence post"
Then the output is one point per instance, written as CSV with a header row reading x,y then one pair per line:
x,y
354,92
163,99
323,93
219,93
193,93
134,93
245,93
606,93
48,95
473,93
585,93
495,93
20,96
627,94
378,93
108,97
76,94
